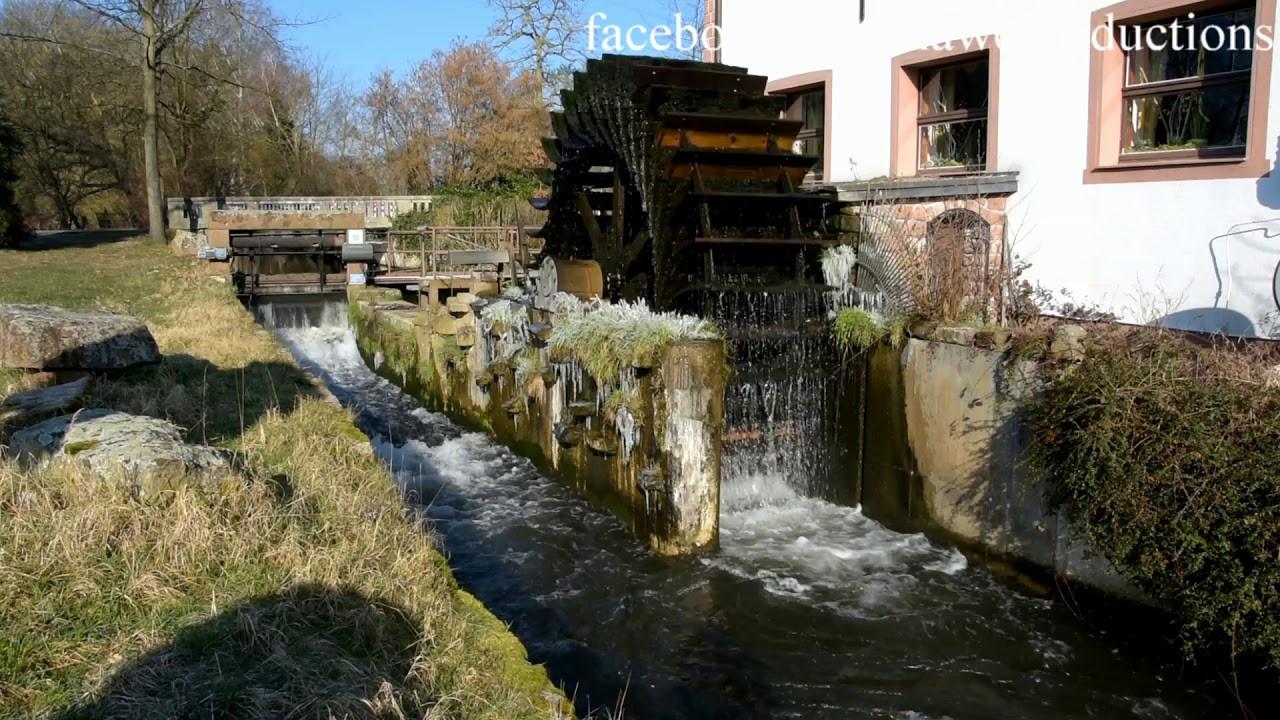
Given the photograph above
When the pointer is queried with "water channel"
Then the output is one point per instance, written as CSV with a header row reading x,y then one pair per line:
x,y
808,610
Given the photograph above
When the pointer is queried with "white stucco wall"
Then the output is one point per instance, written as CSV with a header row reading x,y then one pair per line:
x,y
1205,250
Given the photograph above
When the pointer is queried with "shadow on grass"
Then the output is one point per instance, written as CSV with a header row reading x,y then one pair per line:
x,y
312,651
64,239
215,405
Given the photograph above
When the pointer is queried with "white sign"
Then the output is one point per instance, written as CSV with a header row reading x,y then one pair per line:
x,y
356,237
355,279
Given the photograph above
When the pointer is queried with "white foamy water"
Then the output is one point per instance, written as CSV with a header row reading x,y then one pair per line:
x,y
830,554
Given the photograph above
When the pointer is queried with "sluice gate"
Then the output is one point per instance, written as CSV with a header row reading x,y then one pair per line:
x,y
287,262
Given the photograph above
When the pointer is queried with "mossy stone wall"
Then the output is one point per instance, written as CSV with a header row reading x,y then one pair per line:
x,y
665,486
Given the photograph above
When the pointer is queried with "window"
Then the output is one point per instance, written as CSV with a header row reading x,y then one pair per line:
x,y
952,119
1179,90
810,108
809,101
945,108
1183,97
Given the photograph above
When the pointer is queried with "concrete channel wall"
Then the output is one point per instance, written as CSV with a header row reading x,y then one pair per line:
x,y
658,469
945,450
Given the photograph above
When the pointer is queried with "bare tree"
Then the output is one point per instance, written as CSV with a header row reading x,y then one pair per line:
x,y
153,26
542,31
691,12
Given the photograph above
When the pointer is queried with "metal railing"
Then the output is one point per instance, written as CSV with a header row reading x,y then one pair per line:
x,y
435,243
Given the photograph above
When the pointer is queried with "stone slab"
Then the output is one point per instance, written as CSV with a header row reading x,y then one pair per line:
x,y
44,337
146,449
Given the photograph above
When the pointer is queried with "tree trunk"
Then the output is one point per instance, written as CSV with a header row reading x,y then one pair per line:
x,y
151,131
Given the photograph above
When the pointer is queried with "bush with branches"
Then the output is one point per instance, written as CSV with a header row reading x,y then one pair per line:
x,y
1165,456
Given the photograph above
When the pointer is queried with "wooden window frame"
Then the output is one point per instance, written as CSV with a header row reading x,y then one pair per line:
x,y
904,121
1134,91
1110,91
798,85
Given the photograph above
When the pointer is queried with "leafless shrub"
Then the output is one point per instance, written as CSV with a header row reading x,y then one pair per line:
x,y
944,271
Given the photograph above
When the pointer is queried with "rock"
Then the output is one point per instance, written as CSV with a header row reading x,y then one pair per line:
x,y
651,480
603,442
582,409
460,304
993,339
567,435
541,333
25,408
42,337
956,335
1068,342
186,242
150,451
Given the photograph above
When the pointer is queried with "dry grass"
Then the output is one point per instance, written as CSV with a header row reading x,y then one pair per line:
x,y
301,587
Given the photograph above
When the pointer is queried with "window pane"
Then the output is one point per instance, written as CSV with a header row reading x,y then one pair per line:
x,y
1213,117
958,87
814,109
812,146
954,145
1185,51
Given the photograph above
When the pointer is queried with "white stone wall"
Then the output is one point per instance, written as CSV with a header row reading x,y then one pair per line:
x,y
1199,254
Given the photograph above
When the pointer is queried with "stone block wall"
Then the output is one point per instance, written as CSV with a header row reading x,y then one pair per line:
x,y
654,461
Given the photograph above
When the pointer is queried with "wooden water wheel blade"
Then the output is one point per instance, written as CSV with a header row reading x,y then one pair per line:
x,y
765,196
551,148
720,122
730,240
671,62
709,158
661,99
700,79
715,131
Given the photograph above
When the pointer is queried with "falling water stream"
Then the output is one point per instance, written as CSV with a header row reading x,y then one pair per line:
x,y
808,610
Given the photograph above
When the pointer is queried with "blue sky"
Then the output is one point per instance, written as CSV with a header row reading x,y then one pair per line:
x,y
356,38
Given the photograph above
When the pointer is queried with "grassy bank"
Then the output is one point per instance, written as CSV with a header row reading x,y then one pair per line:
x,y
301,587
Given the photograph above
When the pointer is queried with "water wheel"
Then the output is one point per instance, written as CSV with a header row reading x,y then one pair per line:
x,y
661,164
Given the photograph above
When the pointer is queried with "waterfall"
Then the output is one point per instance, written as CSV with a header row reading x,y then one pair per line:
x,y
779,426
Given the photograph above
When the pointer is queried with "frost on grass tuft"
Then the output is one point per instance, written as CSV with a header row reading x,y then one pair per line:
x,y
609,337
510,320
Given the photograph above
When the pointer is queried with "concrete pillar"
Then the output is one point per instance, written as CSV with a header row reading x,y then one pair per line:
x,y
693,378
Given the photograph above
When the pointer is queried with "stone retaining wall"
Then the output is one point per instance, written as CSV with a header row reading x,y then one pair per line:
x,y
658,468
945,450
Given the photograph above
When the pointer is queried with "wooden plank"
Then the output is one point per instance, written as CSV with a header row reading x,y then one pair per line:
x,y
741,158
719,240
766,196
725,123
477,257
700,79
701,139
758,173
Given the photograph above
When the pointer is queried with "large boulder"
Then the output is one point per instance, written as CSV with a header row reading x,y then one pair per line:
x,y
32,406
150,451
42,337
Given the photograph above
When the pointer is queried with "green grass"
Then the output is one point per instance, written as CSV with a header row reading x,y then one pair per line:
x,y
298,586
856,331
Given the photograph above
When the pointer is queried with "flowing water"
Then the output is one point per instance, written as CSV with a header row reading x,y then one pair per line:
x,y
808,610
